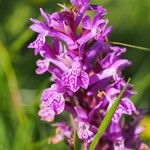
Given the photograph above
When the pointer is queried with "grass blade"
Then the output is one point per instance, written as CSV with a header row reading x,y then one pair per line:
x,y
103,126
15,94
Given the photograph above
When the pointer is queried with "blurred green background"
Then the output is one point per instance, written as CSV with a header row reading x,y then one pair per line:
x,y
20,87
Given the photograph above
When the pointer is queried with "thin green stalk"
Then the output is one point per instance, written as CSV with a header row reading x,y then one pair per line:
x,y
131,46
7,66
107,119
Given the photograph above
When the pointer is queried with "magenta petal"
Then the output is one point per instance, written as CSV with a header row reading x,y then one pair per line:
x,y
75,78
79,2
38,28
38,43
84,79
42,66
86,23
70,79
81,113
46,114
45,15
53,99
84,132
121,64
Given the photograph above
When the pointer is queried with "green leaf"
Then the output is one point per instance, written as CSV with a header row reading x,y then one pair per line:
x,y
131,46
77,142
6,64
103,126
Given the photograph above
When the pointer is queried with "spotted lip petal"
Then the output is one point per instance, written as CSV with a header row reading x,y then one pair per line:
x,y
74,79
46,114
54,100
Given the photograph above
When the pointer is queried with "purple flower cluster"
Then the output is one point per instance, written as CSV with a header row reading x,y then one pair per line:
x,y
87,76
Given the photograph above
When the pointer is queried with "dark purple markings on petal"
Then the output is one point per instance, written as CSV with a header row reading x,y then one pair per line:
x,y
128,106
75,78
42,66
84,78
46,94
75,72
38,43
65,80
54,100
46,114
117,115
84,132
73,83
58,106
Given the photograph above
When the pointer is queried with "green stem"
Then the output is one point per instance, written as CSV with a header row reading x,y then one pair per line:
x,y
131,46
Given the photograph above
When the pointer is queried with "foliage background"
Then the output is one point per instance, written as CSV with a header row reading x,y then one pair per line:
x,y
20,87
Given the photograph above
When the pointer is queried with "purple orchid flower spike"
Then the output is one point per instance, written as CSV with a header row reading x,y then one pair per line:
x,y
86,74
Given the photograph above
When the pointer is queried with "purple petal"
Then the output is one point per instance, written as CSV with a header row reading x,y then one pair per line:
x,y
81,113
85,38
46,114
74,78
84,78
79,2
86,23
38,43
45,15
54,100
83,132
121,64
70,79
99,9
42,66
39,28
